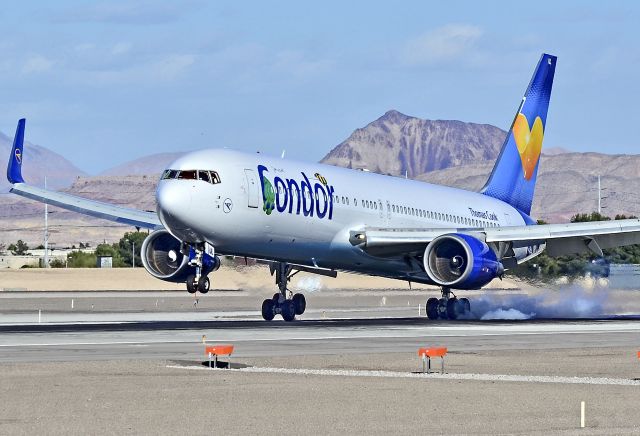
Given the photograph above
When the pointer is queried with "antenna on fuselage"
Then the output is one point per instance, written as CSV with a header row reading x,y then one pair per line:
x,y
283,153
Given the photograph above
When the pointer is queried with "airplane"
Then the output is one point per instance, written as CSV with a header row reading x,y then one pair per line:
x,y
320,219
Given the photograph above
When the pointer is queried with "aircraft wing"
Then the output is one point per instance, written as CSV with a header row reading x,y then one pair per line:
x,y
560,239
124,215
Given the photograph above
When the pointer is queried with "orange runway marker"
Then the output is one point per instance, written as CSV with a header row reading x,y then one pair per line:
x,y
428,353
218,350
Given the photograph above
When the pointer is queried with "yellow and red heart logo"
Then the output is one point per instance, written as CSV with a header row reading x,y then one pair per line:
x,y
529,143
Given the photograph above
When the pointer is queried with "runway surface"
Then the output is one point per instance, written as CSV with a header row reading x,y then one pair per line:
x,y
117,362
169,326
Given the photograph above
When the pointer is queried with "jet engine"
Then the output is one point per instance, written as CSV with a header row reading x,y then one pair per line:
x,y
461,261
162,258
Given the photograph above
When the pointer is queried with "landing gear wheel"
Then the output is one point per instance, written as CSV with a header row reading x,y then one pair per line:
x,y
192,286
466,306
268,311
276,297
203,284
288,310
453,308
299,303
432,308
442,308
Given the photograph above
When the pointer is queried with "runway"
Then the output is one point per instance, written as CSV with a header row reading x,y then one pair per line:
x,y
351,360
120,329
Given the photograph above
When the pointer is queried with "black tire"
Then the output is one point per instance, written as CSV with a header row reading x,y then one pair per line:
x,y
432,308
452,308
300,303
191,285
442,308
203,284
288,310
465,305
267,310
276,297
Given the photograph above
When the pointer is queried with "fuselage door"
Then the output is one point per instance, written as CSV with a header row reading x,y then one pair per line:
x,y
253,190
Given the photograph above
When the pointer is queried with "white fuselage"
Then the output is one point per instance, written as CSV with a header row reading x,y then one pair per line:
x,y
312,211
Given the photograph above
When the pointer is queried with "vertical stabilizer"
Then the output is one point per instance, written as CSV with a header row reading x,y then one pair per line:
x,y
513,178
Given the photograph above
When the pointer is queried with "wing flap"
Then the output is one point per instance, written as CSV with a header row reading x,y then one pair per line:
x,y
560,239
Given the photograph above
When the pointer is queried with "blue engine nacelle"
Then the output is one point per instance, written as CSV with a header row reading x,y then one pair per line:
x,y
162,257
461,261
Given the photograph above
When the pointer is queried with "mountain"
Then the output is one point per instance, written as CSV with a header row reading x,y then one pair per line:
x,y
146,165
38,163
395,143
567,183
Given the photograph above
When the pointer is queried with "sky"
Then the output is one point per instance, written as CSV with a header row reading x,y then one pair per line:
x,y
106,82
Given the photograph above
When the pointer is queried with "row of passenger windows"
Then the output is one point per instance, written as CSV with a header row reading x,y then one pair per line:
x,y
420,213
455,219
204,175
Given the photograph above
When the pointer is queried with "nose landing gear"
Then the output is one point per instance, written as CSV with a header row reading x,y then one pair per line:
x,y
284,303
447,307
200,282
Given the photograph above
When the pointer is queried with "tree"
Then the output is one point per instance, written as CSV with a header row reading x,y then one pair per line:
x,y
19,248
586,217
79,259
3,247
110,251
126,244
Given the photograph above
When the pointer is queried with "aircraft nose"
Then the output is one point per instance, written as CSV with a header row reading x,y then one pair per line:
x,y
174,201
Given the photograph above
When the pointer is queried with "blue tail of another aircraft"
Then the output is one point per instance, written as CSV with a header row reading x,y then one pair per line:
x,y
14,169
513,179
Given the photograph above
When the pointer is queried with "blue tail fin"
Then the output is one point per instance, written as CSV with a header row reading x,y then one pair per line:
x,y
14,169
513,179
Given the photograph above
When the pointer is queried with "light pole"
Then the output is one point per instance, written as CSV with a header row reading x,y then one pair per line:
x,y
133,254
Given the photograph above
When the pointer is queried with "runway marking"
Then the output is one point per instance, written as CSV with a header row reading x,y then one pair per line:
x,y
437,376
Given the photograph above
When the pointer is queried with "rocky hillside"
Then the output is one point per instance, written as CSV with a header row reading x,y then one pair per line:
x,y
396,143
24,219
146,165
567,183
38,163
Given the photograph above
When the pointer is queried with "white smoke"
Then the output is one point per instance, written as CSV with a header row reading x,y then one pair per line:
x,y
309,284
586,298
506,314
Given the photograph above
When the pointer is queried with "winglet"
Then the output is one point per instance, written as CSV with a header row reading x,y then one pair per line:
x,y
14,169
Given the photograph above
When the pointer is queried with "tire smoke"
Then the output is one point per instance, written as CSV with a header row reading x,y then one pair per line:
x,y
584,298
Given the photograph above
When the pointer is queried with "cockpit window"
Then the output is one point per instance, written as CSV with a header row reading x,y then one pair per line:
x,y
203,175
169,174
188,175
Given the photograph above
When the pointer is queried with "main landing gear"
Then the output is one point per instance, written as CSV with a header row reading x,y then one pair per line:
x,y
198,282
283,302
447,307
